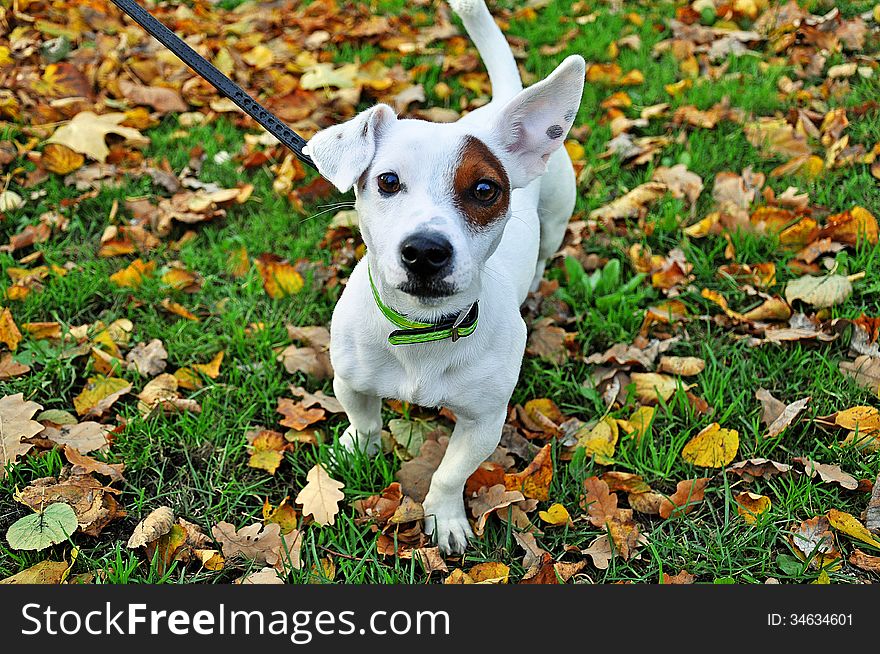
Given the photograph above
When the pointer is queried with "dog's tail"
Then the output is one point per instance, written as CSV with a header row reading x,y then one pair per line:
x,y
492,46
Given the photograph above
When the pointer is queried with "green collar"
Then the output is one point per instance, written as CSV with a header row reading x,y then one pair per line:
x,y
412,331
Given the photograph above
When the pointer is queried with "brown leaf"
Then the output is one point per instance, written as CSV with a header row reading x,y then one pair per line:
x,y
865,371
487,500
162,99
296,415
148,359
772,408
683,577
262,544
16,424
547,341
688,494
828,473
156,524
872,513
415,475
752,469
683,366
88,464
9,367
601,504
535,480
860,560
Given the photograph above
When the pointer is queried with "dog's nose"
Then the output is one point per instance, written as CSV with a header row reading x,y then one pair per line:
x,y
426,254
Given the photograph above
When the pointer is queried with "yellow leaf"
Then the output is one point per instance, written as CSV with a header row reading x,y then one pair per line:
x,y
60,159
267,451
679,87
212,368
556,515
640,422
490,572
713,447
99,393
652,385
575,150
600,441
260,57
133,275
9,333
823,578
751,505
850,526
864,419
279,277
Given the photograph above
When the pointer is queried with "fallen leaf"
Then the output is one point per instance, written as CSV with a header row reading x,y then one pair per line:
x,y
264,544
828,473
683,366
162,99
850,525
600,552
713,447
296,415
491,572
415,475
157,523
37,531
819,292
44,572
752,469
651,386
534,481
148,359
688,494
600,441
280,278
751,505
16,424
60,159
556,515
786,417
82,463
859,559
86,132
320,496
267,451
488,500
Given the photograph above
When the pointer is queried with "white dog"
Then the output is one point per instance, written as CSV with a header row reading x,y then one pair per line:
x,y
458,220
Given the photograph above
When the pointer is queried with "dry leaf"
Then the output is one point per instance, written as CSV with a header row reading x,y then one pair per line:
x,y
320,496
86,133
688,494
16,424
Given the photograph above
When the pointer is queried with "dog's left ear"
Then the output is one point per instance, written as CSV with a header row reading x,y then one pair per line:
x,y
534,124
343,152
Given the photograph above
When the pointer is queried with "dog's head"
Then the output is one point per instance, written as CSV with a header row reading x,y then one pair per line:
x,y
433,199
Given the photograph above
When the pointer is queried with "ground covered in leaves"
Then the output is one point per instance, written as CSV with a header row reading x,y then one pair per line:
x,y
699,399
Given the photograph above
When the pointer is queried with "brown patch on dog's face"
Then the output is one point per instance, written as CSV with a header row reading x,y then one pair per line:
x,y
480,169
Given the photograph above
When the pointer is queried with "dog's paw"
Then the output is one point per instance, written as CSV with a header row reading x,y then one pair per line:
x,y
447,524
353,441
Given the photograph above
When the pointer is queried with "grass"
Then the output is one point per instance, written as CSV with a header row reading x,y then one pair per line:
x,y
197,463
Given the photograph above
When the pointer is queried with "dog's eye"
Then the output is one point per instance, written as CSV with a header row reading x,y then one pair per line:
x,y
389,183
485,191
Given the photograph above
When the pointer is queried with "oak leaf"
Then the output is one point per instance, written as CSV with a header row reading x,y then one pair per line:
x,y
320,496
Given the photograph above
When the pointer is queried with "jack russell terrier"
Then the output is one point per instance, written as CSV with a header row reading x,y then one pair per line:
x,y
458,220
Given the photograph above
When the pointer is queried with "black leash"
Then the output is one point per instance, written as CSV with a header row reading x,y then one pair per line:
x,y
222,83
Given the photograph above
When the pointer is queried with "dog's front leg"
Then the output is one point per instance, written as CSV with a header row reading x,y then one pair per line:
x,y
364,413
472,442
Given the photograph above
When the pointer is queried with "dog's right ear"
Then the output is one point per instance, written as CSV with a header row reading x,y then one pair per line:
x,y
343,152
